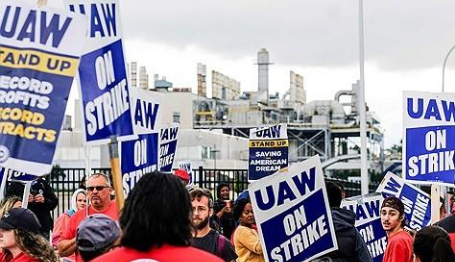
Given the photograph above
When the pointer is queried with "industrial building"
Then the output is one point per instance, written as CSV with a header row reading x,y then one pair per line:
x,y
328,128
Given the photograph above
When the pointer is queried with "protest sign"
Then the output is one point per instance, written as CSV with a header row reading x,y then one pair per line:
x,y
428,151
417,204
168,146
143,160
13,175
147,108
292,213
147,120
39,57
268,150
106,102
368,222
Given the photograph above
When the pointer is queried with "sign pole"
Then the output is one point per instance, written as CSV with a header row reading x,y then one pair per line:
x,y
435,194
116,173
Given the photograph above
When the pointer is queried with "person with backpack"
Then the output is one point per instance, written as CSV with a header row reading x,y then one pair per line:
x,y
204,237
351,246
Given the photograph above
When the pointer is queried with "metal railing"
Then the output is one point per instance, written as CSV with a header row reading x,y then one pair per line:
x,y
65,181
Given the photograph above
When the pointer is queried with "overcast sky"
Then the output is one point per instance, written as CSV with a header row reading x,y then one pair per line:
x,y
405,45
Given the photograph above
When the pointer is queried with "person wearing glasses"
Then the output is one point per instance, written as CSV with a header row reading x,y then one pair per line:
x,y
99,193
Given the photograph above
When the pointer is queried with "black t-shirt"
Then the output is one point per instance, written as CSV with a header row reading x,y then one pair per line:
x,y
216,244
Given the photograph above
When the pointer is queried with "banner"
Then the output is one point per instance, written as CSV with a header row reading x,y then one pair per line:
x,y
39,56
104,89
292,213
428,151
168,146
268,150
368,222
138,157
417,204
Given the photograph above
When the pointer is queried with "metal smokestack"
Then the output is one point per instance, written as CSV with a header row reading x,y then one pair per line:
x,y
263,73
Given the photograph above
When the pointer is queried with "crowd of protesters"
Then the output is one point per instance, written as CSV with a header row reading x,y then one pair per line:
x,y
165,220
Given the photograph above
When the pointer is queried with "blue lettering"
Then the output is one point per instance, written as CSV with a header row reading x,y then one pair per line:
x,y
449,110
392,186
284,192
95,22
260,201
361,213
169,133
173,133
306,182
3,30
419,111
109,18
146,112
432,110
53,28
28,29
373,208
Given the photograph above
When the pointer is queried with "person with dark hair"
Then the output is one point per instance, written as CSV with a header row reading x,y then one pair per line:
x,y
99,193
156,223
41,201
20,240
97,235
432,244
247,243
205,237
399,241
351,246
223,211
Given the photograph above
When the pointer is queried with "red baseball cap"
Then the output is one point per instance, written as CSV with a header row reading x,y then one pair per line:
x,y
182,174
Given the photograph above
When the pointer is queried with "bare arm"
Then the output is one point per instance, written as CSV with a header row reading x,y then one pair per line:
x,y
66,247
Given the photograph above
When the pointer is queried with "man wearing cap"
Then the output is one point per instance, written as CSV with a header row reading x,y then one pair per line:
x,y
99,192
399,241
20,240
96,235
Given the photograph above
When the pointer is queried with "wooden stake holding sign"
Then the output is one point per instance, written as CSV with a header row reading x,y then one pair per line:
x,y
116,173
435,205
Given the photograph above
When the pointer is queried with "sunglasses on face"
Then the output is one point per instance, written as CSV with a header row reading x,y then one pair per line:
x,y
98,188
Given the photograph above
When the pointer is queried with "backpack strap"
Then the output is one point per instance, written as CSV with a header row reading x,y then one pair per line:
x,y
220,242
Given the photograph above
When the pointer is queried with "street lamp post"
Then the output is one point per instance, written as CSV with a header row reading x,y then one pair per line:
x,y
444,66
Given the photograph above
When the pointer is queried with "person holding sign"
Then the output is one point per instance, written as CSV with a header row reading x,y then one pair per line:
x,y
399,241
432,244
351,246
246,239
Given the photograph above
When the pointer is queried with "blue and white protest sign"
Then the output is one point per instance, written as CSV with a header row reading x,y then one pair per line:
x,y
186,165
428,147
417,204
106,102
168,147
13,175
147,110
138,158
292,213
368,222
39,56
268,151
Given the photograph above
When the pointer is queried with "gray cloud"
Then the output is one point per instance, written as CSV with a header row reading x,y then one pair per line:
x,y
399,35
